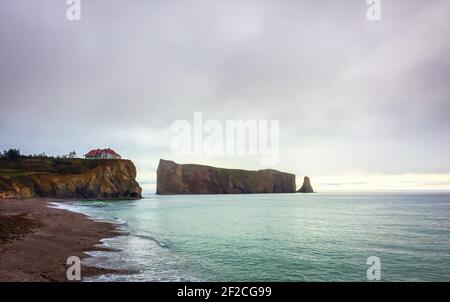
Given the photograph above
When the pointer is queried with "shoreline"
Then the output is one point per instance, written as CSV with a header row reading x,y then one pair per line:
x,y
36,239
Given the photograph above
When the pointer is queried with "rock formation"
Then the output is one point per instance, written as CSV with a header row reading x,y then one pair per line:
x,y
306,187
78,178
173,178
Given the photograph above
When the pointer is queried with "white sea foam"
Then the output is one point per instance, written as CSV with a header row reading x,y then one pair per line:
x,y
68,206
149,260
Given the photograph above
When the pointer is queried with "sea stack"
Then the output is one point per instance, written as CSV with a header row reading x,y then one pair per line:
x,y
306,187
173,178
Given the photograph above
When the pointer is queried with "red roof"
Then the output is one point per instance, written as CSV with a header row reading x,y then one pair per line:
x,y
98,152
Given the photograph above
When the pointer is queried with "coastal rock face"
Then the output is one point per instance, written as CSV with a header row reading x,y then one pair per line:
x,y
96,179
306,187
173,178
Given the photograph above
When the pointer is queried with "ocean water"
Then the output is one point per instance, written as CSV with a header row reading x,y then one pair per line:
x,y
276,237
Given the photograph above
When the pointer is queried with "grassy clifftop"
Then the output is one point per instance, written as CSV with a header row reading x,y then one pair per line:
x,y
29,166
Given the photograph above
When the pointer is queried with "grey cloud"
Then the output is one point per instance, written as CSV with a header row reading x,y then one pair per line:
x,y
351,95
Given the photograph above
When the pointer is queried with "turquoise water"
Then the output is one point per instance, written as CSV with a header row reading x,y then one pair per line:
x,y
277,237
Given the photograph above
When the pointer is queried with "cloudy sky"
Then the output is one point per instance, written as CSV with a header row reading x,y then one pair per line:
x,y
362,105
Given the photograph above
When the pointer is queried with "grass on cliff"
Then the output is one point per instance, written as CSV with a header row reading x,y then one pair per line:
x,y
29,166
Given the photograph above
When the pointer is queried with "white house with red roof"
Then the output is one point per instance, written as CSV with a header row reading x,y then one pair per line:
x,y
102,154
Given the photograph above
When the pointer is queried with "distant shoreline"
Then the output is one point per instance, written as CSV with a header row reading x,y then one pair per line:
x,y
36,240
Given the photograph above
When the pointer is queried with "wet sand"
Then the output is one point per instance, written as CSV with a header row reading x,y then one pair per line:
x,y
36,240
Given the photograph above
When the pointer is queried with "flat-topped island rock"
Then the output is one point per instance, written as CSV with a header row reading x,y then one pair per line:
x,y
173,178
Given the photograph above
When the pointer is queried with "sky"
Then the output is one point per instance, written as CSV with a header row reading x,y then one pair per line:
x,y
361,105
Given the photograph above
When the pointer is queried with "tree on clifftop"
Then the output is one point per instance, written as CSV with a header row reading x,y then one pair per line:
x,y
12,154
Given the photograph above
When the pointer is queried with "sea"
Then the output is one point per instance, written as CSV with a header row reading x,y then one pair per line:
x,y
275,237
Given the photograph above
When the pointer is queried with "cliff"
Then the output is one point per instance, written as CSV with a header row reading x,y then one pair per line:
x,y
306,187
68,178
173,178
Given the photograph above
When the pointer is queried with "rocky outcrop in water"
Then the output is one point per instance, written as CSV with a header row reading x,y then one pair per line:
x,y
306,187
173,178
69,178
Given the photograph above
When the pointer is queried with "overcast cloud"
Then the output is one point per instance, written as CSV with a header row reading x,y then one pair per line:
x,y
353,97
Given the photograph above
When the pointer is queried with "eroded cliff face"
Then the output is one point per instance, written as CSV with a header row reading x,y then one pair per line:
x,y
173,178
106,179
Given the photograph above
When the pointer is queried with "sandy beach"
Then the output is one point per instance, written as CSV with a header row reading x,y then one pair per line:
x,y
36,240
